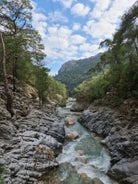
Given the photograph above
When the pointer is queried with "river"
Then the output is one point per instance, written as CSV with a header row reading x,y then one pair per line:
x,y
82,161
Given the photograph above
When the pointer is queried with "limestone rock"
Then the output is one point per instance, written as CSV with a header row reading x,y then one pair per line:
x,y
80,152
72,136
97,181
121,137
84,176
69,121
29,146
78,107
81,159
125,168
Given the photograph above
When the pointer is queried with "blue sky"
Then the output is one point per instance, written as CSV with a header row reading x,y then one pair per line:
x,y
73,29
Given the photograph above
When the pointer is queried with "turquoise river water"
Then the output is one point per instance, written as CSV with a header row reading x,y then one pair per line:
x,y
82,161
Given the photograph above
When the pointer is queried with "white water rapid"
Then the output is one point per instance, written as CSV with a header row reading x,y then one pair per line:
x,y
82,161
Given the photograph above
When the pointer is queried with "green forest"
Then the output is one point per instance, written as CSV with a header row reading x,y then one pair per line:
x,y
22,54
117,73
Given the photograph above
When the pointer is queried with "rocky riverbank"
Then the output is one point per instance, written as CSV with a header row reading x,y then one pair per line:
x,y
30,141
120,133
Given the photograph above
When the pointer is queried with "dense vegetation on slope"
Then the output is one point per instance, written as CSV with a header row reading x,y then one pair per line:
x,y
22,53
121,57
74,72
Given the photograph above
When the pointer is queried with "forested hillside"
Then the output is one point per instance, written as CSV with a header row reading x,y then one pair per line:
x,y
74,72
119,80
22,54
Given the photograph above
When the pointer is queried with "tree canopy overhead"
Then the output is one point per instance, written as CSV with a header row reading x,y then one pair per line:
x,y
15,15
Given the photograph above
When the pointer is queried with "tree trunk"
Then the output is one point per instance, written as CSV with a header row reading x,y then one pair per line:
x,y
14,72
9,103
135,44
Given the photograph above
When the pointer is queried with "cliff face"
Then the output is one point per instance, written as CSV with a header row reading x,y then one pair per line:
x,y
74,72
69,65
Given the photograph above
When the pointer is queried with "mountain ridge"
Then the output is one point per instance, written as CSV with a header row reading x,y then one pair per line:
x,y
74,72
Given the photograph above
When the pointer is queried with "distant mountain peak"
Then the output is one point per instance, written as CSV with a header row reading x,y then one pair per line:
x,y
74,72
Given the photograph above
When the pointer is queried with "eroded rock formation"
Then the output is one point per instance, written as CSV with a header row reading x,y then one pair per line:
x,y
120,133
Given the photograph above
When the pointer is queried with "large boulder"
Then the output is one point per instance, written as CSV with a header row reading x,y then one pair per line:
x,y
78,107
126,168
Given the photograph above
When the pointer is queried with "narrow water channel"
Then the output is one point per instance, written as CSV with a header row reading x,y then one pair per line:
x,y
82,161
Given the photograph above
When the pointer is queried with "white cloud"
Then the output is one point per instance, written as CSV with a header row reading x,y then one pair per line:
x,y
100,7
80,10
66,3
89,49
57,16
59,41
76,27
64,32
63,43
77,39
108,15
39,21
117,9
101,29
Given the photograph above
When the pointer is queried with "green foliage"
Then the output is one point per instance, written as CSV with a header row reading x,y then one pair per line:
x,y
25,51
57,91
2,170
1,181
24,71
127,85
122,56
121,59
93,89
37,136
18,16
41,82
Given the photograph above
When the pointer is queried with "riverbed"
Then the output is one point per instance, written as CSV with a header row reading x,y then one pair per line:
x,y
82,161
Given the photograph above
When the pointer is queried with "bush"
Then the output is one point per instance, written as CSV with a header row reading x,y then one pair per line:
x,y
93,89
2,170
